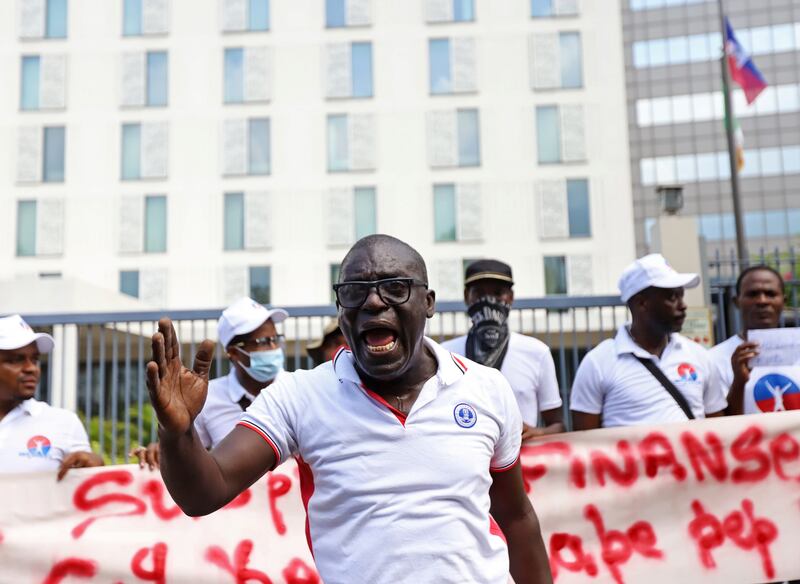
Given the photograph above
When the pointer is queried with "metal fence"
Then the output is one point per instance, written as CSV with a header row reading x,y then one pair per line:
x,y
97,367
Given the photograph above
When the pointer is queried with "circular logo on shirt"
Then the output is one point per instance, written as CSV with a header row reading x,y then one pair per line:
x,y
38,446
776,393
687,372
465,415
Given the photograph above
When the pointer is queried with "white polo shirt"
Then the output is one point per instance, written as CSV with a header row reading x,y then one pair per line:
x,y
528,366
222,408
392,498
612,382
36,437
769,389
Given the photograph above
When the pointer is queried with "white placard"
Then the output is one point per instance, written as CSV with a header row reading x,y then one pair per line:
x,y
776,347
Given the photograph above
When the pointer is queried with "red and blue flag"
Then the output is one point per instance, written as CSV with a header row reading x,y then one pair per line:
x,y
743,71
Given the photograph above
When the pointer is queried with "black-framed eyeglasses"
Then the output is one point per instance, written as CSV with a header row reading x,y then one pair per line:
x,y
261,343
392,291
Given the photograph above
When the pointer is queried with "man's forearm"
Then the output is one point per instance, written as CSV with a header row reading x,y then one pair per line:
x,y
735,398
526,551
190,473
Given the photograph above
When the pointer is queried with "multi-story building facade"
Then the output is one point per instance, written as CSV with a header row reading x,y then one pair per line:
x,y
187,153
676,117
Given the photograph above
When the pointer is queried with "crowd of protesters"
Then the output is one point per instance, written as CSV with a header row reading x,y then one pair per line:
x,y
376,373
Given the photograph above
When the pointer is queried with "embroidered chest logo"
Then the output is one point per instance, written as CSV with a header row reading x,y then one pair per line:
x,y
776,393
687,372
38,446
465,415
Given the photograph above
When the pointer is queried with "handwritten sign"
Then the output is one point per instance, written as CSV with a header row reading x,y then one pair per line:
x,y
777,347
706,501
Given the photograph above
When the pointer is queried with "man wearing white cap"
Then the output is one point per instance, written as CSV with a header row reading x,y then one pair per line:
x,y
247,331
33,435
648,373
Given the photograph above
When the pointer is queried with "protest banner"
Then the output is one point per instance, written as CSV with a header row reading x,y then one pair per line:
x,y
706,501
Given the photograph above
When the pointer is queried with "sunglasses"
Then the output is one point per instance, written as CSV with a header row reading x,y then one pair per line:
x,y
256,344
392,291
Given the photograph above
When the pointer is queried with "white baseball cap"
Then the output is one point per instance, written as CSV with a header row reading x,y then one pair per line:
x,y
244,316
653,270
16,333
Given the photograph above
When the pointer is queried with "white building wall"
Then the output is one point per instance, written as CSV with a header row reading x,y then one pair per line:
x,y
299,255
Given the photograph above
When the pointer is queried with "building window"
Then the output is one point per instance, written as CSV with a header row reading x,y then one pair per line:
x,y
129,282
56,19
234,75
157,78
258,151
351,142
450,10
364,211
334,277
29,90
246,75
571,61
452,66
335,13
555,275
361,67
439,52
258,15
131,151
578,208
469,152
132,17
155,224
348,70
548,8
548,134
145,17
260,284
457,214
444,212
463,10
26,228
234,221
53,159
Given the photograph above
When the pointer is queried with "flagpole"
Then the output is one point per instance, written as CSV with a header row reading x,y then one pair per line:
x,y
741,243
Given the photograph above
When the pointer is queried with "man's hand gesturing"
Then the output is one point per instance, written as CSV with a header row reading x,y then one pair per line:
x,y
177,393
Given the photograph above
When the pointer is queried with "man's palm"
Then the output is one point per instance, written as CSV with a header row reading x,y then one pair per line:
x,y
177,393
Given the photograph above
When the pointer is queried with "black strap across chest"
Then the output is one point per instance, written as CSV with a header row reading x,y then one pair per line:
x,y
679,398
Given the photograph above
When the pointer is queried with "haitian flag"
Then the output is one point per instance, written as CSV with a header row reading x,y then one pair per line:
x,y
743,70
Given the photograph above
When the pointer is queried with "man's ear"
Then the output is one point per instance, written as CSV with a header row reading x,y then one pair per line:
x,y
430,298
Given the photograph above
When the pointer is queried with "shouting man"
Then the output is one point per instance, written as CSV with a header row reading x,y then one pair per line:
x,y
407,452
524,361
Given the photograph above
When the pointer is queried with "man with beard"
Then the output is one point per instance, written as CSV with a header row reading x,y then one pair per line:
x,y
648,373
760,297
405,454
524,361
34,436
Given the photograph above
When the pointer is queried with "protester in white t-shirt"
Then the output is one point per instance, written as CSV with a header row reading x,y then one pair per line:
x,y
247,331
524,361
614,388
34,436
408,453
760,297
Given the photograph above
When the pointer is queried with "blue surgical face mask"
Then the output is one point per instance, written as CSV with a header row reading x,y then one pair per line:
x,y
264,365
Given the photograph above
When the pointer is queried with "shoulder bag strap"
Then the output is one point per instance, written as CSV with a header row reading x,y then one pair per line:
x,y
671,389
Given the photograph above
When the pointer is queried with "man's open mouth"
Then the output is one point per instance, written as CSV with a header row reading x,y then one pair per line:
x,y
380,340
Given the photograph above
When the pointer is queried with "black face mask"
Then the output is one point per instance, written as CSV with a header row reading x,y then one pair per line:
x,y
487,341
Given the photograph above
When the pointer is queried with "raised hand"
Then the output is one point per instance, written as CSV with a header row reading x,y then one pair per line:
x,y
177,393
740,361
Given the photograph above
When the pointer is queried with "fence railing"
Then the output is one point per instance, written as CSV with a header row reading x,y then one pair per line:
x,y
97,367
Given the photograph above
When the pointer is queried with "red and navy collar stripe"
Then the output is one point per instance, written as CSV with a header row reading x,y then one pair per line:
x,y
459,364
